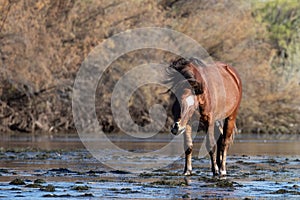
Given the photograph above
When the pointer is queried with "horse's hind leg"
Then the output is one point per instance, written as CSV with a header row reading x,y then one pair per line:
x,y
219,152
225,141
219,134
188,147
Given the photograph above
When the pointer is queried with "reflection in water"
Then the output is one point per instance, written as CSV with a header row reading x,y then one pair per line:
x,y
187,180
248,144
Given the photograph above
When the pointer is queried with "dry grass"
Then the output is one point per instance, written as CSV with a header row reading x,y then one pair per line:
x,y
43,44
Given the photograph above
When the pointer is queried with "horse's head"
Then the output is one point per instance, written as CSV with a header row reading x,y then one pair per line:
x,y
183,109
187,91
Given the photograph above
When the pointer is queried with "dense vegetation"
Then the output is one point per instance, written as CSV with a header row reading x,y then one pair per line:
x,y
44,42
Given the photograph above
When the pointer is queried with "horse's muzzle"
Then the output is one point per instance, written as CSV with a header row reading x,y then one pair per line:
x,y
176,129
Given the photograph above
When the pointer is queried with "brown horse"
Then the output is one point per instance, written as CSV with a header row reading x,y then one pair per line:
x,y
214,92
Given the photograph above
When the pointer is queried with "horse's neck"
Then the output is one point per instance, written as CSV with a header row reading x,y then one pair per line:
x,y
214,96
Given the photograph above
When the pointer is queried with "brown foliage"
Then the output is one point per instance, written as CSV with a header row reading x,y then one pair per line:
x,y
43,43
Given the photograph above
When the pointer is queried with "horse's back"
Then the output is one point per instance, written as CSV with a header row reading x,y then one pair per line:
x,y
229,70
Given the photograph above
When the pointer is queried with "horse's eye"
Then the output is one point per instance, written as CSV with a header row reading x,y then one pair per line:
x,y
198,91
198,88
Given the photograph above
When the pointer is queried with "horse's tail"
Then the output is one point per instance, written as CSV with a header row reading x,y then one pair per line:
x,y
235,131
220,124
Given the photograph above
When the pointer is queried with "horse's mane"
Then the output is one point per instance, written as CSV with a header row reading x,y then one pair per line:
x,y
182,77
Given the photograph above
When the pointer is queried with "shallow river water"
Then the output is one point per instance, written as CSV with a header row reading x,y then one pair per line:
x,y
258,166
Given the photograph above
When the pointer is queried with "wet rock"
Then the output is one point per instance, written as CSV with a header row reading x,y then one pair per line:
x,y
284,191
79,182
39,181
216,182
17,181
43,156
61,170
281,191
5,171
15,189
93,173
86,195
145,175
186,196
19,196
119,172
57,196
34,185
224,184
169,183
161,170
48,188
271,161
128,191
80,187
123,190
260,179
172,174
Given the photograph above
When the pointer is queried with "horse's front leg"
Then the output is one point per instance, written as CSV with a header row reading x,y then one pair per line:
x,y
188,148
212,148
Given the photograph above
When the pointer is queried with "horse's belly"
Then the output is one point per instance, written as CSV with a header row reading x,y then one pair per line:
x,y
227,103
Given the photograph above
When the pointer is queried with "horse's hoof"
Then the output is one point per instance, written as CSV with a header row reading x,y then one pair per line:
x,y
223,173
216,173
187,173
